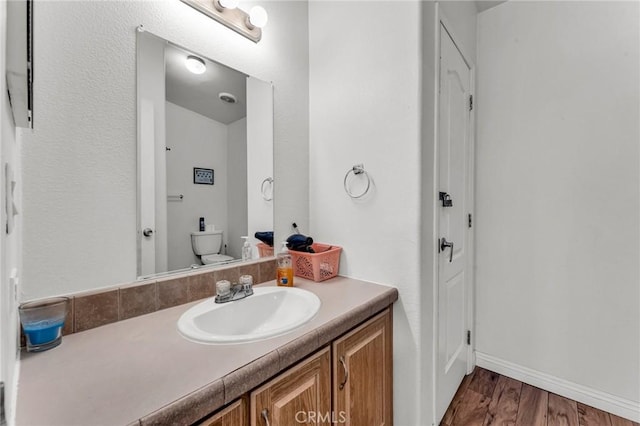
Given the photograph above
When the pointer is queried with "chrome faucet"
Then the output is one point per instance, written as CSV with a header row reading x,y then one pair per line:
x,y
229,293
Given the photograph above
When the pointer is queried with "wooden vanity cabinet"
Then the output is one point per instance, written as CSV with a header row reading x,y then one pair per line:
x,y
362,371
233,415
294,396
346,383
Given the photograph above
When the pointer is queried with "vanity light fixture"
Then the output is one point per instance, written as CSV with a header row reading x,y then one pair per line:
x,y
257,17
230,15
226,4
195,65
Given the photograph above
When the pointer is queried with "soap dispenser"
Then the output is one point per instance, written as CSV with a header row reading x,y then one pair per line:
x,y
246,249
284,275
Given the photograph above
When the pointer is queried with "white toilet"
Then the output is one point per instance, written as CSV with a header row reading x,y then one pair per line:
x,y
207,244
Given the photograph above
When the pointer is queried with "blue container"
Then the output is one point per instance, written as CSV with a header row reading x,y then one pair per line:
x,y
43,332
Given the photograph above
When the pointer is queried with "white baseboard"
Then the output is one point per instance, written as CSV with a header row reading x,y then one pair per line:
x,y
604,401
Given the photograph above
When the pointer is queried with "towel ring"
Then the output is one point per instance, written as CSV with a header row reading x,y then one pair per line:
x,y
358,169
262,189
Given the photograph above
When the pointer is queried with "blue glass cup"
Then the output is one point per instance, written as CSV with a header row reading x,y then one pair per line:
x,y
42,322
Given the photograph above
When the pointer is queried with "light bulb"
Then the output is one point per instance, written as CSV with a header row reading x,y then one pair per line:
x,y
229,4
258,16
195,64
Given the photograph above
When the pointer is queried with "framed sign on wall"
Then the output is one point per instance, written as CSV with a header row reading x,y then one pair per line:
x,y
202,176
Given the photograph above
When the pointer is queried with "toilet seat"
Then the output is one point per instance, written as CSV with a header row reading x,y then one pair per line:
x,y
210,259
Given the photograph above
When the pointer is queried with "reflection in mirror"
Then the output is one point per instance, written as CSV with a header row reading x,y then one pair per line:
x,y
205,149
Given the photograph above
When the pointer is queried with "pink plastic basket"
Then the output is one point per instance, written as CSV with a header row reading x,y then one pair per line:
x,y
264,250
318,266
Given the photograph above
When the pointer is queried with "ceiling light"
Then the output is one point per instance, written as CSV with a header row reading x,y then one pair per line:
x,y
258,17
195,64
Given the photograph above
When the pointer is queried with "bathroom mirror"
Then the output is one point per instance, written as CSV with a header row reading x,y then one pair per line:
x,y
205,158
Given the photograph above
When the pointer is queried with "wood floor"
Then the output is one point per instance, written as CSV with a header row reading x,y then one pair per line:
x,y
486,398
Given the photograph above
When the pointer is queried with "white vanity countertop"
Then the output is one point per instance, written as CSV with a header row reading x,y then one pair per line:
x,y
141,371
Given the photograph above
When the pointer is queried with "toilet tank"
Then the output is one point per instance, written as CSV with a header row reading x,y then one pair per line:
x,y
206,242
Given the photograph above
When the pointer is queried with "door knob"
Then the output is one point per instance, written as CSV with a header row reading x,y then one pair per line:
x,y
444,244
147,232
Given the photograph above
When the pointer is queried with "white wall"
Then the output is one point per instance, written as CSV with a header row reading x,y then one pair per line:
x,y
80,161
427,233
195,141
364,108
557,201
10,254
372,102
237,187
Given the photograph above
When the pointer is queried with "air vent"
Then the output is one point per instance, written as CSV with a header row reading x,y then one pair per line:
x,y
227,97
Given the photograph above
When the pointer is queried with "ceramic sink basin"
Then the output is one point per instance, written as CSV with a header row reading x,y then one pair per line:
x,y
269,312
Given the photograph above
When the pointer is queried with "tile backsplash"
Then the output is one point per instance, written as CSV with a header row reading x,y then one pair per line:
x,y
92,309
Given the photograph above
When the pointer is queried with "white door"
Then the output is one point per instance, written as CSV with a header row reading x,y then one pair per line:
x,y
453,210
147,185
152,187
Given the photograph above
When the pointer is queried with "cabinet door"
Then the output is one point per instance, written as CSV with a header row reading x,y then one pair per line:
x,y
301,395
363,376
233,415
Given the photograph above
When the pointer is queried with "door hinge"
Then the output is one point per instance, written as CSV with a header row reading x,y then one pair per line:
x,y
468,337
470,220
470,102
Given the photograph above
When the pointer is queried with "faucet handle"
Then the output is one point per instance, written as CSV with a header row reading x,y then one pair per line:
x,y
246,281
223,288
